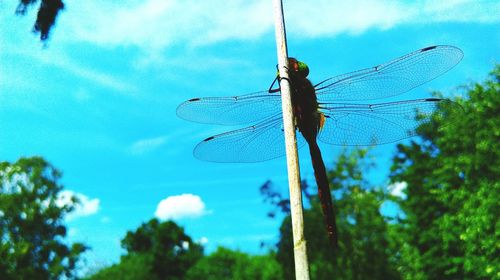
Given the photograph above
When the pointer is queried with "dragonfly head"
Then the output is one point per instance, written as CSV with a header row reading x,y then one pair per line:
x,y
298,67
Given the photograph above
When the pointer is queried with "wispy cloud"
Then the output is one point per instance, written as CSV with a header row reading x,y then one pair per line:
x,y
156,24
105,220
57,58
147,145
93,75
330,18
180,206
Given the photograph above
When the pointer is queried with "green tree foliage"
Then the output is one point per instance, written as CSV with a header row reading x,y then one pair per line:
x,y
453,179
163,251
131,267
31,223
46,16
228,264
156,250
364,250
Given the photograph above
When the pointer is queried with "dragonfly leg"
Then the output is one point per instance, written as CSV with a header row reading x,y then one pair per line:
x,y
278,78
271,90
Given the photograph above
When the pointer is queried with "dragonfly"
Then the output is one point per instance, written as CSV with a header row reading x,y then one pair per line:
x,y
337,111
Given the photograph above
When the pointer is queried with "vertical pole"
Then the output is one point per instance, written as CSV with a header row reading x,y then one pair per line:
x,y
299,242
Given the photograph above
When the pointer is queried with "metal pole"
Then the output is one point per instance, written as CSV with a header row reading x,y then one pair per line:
x,y
299,242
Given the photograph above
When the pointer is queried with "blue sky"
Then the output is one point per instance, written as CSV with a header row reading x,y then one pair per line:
x,y
99,101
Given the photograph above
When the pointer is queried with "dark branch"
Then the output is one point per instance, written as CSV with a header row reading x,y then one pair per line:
x,y
46,16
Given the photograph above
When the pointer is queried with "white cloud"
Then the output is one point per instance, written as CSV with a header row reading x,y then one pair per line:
x,y
86,207
203,240
185,245
180,206
157,24
147,145
397,189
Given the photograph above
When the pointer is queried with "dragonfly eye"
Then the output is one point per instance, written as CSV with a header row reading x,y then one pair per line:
x,y
298,67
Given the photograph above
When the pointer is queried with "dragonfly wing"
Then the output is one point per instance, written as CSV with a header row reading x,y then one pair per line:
x,y
260,142
373,124
392,78
232,110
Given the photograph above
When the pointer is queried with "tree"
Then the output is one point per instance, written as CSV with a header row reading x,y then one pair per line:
x,y
453,187
156,250
365,249
228,264
46,16
31,226
163,251
131,267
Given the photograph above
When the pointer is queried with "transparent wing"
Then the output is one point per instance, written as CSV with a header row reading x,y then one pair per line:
x,y
392,78
260,142
231,110
373,124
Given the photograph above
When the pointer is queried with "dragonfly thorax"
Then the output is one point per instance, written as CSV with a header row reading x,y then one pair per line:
x,y
307,116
